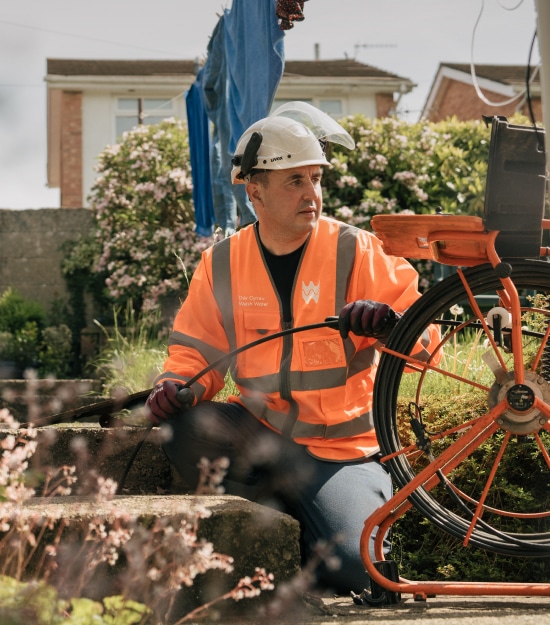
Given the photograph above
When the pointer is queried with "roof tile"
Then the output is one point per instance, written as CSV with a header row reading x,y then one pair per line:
x,y
98,67
506,74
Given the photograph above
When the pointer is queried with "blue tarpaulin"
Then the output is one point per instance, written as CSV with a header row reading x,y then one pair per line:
x,y
199,149
239,80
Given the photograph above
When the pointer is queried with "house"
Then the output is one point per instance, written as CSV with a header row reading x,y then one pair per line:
x,y
453,92
91,102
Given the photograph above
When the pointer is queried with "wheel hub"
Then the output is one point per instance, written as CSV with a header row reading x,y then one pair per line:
x,y
521,416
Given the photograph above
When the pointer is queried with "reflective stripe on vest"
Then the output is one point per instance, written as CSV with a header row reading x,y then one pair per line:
x,y
421,353
304,380
359,425
222,287
211,354
347,242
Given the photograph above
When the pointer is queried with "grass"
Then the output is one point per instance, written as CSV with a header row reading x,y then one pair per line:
x,y
133,356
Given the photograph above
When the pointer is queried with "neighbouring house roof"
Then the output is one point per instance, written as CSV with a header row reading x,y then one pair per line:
x,y
505,74
97,67
337,67
341,68
505,80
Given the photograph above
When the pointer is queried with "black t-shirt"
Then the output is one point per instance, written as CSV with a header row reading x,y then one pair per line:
x,y
283,270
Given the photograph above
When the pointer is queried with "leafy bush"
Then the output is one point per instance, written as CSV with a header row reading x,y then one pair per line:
x,y
16,312
399,167
21,348
39,604
28,342
55,351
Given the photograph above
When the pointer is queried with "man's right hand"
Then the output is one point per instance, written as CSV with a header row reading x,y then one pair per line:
x,y
166,399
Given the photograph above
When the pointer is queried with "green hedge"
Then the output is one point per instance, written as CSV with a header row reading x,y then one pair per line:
x,y
29,340
425,552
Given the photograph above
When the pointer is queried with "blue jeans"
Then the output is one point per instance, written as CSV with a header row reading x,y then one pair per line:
x,y
331,500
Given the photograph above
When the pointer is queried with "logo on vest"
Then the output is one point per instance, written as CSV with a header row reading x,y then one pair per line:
x,y
310,292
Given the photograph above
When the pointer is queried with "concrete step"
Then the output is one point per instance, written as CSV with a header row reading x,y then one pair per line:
x,y
28,399
108,452
253,535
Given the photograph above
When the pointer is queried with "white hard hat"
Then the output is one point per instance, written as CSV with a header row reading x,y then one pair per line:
x,y
290,137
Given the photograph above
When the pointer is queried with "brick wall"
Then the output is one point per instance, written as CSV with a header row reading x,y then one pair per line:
x,y
461,101
385,104
71,150
30,257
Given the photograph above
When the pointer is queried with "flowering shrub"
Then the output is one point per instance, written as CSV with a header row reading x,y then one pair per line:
x,y
145,248
402,167
47,569
399,167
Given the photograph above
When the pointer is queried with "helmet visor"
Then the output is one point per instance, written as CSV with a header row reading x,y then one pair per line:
x,y
321,125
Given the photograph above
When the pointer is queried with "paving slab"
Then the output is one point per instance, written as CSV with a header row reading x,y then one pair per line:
x,y
448,610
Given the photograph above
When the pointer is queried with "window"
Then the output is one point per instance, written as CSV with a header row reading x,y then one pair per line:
x,y
151,111
332,107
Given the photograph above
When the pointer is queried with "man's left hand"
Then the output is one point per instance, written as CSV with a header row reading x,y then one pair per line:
x,y
367,318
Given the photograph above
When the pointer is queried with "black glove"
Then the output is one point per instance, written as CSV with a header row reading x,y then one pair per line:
x,y
167,399
367,318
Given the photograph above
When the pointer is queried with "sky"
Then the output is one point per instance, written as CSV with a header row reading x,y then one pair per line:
x,y
409,38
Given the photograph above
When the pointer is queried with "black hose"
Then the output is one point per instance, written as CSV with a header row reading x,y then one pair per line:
x,y
330,322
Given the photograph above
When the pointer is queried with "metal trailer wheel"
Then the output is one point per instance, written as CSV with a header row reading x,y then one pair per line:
x,y
496,495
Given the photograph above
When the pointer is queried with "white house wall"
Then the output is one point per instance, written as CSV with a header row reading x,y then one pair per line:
x,y
98,128
99,110
97,134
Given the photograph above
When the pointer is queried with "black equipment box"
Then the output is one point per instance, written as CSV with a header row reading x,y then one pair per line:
x,y
516,187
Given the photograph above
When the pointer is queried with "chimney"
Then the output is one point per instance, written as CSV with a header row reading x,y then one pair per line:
x,y
316,48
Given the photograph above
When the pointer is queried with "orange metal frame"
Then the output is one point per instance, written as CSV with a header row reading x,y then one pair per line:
x,y
460,241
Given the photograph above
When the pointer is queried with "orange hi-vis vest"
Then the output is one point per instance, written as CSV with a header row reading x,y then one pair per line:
x,y
311,386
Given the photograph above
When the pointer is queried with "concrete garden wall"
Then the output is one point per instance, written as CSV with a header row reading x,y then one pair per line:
x,y
29,250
